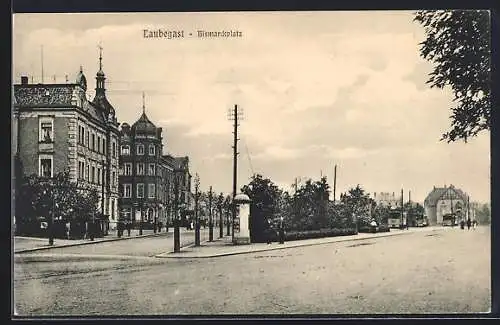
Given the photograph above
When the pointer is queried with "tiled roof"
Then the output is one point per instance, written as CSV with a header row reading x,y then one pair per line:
x,y
53,95
44,95
438,192
143,124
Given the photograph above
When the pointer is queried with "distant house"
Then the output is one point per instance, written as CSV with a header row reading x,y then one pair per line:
x,y
442,201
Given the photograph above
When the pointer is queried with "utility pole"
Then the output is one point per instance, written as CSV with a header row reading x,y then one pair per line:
x,y
235,116
334,182
177,243
210,217
196,215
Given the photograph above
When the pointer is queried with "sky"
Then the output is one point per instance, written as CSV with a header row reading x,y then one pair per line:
x,y
316,89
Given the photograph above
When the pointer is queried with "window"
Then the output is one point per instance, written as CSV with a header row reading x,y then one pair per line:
x,y
151,169
93,174
127,190
98,175
140,190
113,153
113,179
151,191
103,146
87,168
46,130
87,136
128,168
140,149
140,169
98,144
126,150
81,169
93,142
151,149
45,166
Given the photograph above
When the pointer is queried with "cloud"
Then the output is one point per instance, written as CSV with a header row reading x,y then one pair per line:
x,y
315,88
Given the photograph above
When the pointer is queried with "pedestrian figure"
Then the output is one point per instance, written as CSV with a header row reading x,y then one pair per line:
x,y
269,232
462,224
128,228
468,224
474,224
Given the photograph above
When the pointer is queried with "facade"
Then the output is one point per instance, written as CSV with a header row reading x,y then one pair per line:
x,y
387,199
443,201
56,128
147,175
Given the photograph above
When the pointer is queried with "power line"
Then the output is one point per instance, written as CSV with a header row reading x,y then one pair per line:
x,y
249,158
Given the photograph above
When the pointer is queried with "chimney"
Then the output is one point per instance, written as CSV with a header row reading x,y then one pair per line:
x,y
24,80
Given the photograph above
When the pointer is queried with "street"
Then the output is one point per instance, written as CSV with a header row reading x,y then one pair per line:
x,y
446,271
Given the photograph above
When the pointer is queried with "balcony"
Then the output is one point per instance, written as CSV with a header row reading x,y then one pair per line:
x,y
46,146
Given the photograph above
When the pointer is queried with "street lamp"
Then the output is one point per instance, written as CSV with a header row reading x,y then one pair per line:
x,y
196,215
210,216
50,219
177,244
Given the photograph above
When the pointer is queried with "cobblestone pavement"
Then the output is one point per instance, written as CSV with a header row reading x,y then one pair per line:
x,y
444,271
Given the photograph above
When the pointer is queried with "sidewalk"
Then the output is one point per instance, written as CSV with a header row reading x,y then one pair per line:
x,y
31,244
224,247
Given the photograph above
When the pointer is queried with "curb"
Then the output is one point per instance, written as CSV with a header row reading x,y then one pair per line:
x,y
87,243
173,255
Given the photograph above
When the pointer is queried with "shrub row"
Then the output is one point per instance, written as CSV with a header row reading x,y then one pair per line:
x,y
309,234
369,229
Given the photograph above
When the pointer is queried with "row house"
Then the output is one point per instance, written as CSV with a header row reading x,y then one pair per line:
x,y
56,128
146,176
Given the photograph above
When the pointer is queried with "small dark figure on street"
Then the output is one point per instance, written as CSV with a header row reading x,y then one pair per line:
x,y
474,224
462,224
469,223
269,232
128,228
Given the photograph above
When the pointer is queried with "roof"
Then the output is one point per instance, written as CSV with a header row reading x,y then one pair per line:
x,y
438,192
44,95
102,101
144,124
177,162
54,95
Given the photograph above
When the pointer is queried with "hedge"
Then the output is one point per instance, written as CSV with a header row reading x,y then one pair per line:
x,y
369,229
309,234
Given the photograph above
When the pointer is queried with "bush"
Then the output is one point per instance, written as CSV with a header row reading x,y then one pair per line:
x,y
370,229
309,234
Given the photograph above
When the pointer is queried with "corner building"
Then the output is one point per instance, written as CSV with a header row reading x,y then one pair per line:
x,y
147,176
56,129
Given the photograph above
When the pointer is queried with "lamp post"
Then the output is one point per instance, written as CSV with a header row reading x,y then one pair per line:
x,y
210,216
177,244
50,219
196,215
142,216
221,220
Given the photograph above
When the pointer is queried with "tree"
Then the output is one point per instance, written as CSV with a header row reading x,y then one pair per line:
x,y
264,206
483,214
458,43
58,198
358,205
